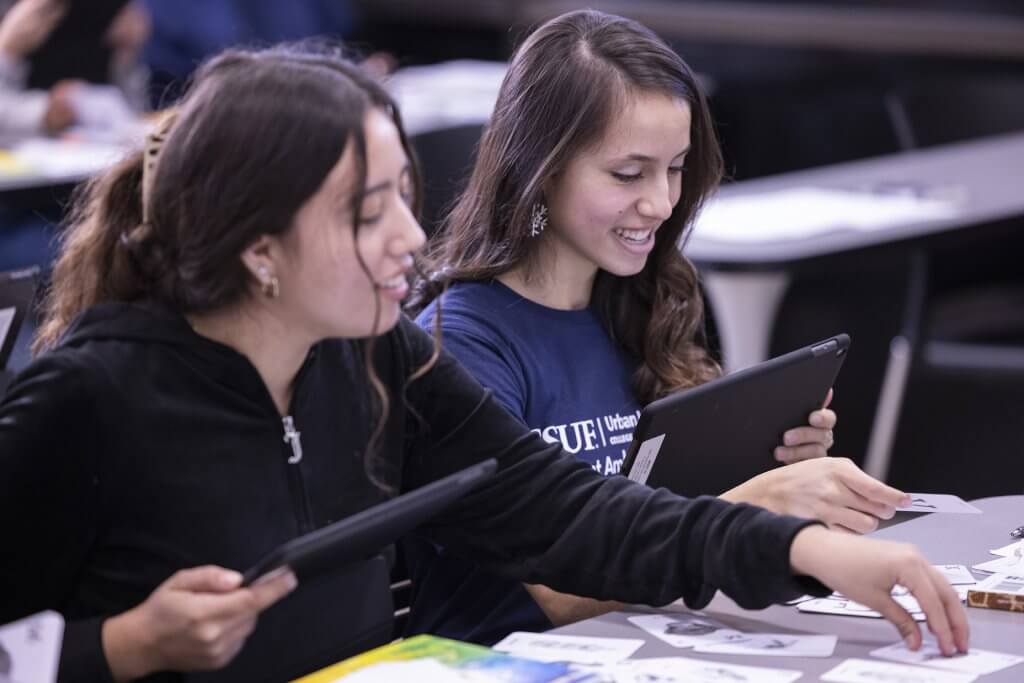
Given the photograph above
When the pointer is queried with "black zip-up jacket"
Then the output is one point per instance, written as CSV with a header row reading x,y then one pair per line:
x,y
137,448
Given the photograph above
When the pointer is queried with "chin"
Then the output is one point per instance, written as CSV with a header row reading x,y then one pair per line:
x,y
625,269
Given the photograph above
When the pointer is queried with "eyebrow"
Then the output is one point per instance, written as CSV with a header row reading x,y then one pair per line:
x,y
643,158
385,185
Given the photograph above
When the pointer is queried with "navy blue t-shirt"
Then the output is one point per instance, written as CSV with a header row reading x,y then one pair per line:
x,y
559,373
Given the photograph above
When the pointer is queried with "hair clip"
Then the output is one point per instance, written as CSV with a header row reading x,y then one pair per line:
x,y
150,156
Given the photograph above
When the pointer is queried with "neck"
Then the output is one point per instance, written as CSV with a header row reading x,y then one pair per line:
x,y
561,279
265,339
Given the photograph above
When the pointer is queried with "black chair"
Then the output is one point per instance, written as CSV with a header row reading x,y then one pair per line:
x,y
446,157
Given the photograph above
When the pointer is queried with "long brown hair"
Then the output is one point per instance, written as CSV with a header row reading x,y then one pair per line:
x,y
563,87
252,140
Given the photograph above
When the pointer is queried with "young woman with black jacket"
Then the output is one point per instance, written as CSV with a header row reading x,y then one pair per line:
x,y
225,367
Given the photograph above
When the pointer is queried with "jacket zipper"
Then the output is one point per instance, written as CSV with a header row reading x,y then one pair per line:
x,y
292,437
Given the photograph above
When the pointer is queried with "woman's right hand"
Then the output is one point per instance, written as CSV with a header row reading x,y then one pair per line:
x,y
198,619
833,490
866,570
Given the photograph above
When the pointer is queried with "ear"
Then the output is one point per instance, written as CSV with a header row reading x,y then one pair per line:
x,y
260,258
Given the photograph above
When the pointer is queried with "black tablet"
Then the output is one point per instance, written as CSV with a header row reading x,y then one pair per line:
x,y
706,440
17,292
365,533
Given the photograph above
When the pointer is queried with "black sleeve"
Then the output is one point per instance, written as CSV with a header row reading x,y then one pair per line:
x,y
49,501
547,517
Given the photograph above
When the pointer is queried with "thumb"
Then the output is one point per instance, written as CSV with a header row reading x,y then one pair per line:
x,y
272,588
205,579
872,489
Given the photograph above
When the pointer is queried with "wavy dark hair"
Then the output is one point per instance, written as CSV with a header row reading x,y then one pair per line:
x,y
563,87
253,139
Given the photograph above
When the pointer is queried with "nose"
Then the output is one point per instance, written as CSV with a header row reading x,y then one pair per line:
x,y
410,235
657,200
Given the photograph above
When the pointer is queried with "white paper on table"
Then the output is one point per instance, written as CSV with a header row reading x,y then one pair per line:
x,y
849,608
774,645
549,647
868,671
956,574
685,629
939,502
59,158
1003,565
977,662
437,96
688,670
1008,550
1003,583
33,647
802,212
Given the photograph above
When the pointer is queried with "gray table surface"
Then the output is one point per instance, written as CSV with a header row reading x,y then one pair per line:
x,y
943,538
985,174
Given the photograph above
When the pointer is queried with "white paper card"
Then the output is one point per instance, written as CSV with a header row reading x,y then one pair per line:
x,y
867,671
1003,583
1008,550
687,670
646,455
849,608
6,318
774,645
685,629
977,662
548,647
1002,565
956,574
939,502
32,646
803,212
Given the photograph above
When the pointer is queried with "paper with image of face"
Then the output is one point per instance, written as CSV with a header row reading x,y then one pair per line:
x,y
685,629
976,662
774,645
868,671
1008,550
548,647
687,670
956,574
32,647
849,608
938,502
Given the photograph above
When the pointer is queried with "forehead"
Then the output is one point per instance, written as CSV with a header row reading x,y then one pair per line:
x,y
652,124
385,156
384,152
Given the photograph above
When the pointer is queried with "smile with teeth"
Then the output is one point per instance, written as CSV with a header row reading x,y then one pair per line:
x,y
634,236
393,283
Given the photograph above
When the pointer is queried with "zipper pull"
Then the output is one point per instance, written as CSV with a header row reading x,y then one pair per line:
x,y
291,437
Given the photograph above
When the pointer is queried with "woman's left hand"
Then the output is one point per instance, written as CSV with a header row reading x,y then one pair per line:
x,y
813,441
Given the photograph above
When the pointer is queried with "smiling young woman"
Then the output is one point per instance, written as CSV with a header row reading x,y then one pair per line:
x,y
565,290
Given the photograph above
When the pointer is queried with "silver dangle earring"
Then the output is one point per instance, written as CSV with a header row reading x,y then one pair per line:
x,y
538,219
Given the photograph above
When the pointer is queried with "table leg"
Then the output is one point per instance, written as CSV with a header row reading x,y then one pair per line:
x,y
744,306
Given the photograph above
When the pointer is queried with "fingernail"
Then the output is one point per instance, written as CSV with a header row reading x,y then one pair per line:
x,y
817,421
291,581
230,579
906,500
909,641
